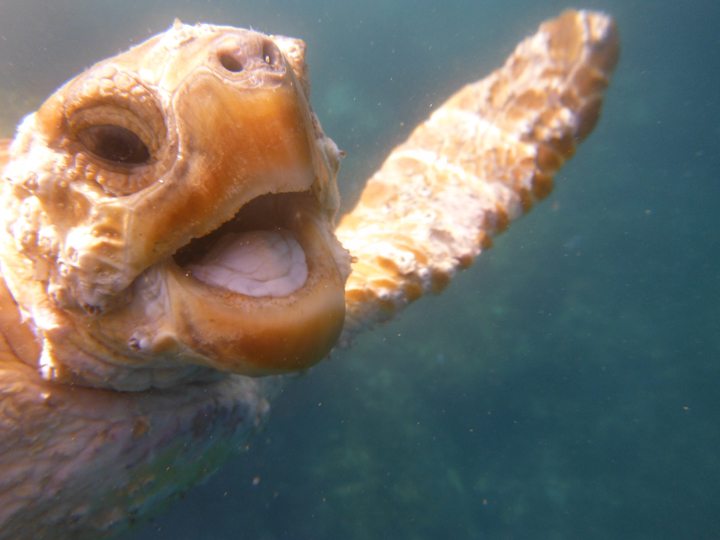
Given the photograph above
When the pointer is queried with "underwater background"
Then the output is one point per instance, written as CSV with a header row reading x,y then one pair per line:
x,y
567,385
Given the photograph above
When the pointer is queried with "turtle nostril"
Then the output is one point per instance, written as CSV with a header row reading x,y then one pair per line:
x,y
230,63
270,53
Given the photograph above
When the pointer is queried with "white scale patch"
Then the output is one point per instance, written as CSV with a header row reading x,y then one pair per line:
x,y
254,263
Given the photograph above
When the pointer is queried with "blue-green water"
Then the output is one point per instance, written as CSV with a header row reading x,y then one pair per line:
x,y
567,385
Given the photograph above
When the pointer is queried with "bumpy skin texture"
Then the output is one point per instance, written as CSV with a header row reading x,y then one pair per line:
x,y
83,460
477,163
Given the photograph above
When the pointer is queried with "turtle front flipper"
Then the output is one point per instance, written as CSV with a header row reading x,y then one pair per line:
x,y
477,163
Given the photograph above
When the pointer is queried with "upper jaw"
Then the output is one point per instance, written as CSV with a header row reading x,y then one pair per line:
x,y
122,302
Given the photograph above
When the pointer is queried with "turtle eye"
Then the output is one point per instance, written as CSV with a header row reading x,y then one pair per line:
x,y
114,143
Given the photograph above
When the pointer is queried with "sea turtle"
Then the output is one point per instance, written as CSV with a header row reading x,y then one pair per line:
x,y
169,252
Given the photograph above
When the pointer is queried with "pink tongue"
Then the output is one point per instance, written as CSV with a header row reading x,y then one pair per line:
x,y
255,263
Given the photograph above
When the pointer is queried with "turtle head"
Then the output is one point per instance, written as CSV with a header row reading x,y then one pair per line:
x,y
169,214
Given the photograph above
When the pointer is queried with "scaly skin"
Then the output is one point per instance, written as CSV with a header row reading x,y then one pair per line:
x,y
92,300
479,162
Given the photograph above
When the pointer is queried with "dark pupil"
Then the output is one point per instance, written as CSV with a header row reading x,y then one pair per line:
x,y
114,143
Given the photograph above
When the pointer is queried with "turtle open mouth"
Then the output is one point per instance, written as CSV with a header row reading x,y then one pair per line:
x,y
262,293
259,252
